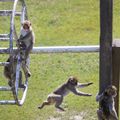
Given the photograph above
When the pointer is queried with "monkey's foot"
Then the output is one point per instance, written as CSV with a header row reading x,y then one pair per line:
x,y
60,108
10,83
40,107
28,74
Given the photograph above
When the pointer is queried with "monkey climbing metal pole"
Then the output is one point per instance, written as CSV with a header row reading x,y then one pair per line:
x,y
19,94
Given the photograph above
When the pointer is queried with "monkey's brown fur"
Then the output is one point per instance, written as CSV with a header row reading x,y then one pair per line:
x,y
57,96
107,110
24,46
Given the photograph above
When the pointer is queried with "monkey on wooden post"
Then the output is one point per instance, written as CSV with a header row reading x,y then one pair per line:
x,y
107,105
57,96
25,44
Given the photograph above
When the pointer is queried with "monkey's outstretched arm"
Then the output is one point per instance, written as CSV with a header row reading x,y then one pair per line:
x,y
77,92
81,85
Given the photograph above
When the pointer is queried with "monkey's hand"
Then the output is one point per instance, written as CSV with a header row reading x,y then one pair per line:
x,y
89,94
39,107
22,46
81,85
99,97
90,83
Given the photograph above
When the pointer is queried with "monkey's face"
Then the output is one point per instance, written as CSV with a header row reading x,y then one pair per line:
x,y
111,90
26,25
73,81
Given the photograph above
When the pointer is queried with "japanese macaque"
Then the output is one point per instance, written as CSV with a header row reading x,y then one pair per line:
x,y
106,99
10,70
25,44
70,86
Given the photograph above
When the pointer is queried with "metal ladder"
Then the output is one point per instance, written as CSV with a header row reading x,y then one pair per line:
x,y
11,36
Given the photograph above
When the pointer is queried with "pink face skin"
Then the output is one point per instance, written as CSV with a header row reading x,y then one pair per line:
x,y
26,27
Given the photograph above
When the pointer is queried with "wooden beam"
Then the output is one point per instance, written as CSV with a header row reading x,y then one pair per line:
x,y
106,9
116,70
109,59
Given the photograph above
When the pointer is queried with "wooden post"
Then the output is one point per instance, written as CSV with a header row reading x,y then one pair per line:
x,y
106,9
116,70
109,59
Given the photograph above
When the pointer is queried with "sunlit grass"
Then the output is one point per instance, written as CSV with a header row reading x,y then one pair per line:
x,y
59,22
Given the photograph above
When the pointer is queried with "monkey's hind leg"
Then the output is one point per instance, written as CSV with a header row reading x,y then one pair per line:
x,y
21,85
43,104
26,69
59,100
100,115
60,108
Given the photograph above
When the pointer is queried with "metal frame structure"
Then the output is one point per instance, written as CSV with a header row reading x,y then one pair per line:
x,y
58,49
19,100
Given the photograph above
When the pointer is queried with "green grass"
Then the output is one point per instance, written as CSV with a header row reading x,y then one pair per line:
x,y
59,22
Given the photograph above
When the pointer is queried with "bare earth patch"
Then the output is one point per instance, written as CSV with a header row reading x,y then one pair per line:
x,y
78,116
74,117
53,118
